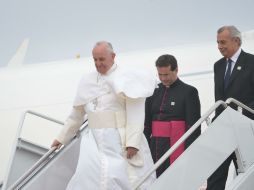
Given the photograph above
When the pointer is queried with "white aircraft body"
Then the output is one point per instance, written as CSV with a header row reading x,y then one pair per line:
x,y
49,88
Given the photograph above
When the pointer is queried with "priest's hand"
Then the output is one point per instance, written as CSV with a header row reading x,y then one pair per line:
x,y
131,151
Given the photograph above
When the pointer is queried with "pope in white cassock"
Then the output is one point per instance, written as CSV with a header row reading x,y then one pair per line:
x,y
114,152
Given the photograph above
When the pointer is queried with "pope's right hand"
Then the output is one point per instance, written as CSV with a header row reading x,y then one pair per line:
x,y
56,143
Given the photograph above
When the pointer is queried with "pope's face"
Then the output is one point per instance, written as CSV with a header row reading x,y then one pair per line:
x,y
103,58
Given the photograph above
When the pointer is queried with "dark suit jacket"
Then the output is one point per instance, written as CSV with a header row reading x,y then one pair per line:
x,y
241,84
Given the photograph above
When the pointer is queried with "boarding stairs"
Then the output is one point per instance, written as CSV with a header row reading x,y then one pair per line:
x,y
35,167
230,131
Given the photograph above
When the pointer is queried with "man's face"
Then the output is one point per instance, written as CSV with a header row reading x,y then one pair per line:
x,y
227,45
166,76
103,58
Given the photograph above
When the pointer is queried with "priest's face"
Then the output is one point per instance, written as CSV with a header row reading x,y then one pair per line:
x,y
103,58
166,75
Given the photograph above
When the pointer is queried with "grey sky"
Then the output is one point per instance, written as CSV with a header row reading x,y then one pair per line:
x,y
61,29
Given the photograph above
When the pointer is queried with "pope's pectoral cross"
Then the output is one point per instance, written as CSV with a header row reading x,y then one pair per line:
x,y
95,103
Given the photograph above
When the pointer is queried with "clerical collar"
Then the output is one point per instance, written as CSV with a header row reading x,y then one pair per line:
x,y
173,84
112,69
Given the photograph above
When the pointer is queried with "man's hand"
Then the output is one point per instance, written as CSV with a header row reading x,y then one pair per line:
x,y
56,143
131,151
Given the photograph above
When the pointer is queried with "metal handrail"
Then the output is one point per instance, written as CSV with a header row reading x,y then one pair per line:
x,y
19,182
44,117
180,141
21,123
236,102
39,164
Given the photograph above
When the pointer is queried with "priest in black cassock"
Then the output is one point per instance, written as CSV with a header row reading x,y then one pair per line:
x,y
172,109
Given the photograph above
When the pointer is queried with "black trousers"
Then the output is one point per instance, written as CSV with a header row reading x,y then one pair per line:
x,y
217,180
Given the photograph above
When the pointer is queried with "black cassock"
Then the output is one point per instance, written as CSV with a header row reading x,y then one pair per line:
x,y
169,113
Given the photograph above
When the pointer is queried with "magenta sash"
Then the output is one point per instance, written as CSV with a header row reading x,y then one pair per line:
x,y
172,129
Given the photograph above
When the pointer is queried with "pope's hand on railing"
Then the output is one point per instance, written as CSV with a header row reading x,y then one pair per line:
x,y
56,143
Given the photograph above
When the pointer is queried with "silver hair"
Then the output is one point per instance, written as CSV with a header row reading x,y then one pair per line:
x,y
108,44
234,32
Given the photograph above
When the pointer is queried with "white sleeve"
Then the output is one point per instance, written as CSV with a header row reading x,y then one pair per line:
x,y
72,125
135,114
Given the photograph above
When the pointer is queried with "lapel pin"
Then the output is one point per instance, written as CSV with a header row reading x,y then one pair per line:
x,y
172,103
239,68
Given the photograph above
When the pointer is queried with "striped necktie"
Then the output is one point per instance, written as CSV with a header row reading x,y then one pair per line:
x,y
228,73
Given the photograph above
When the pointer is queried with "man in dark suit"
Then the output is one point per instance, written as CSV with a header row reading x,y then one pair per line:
x,y
233,77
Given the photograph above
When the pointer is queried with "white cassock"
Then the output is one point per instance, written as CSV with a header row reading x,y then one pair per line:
x,y
114,103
